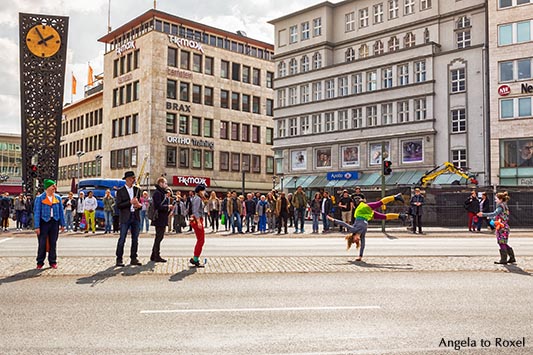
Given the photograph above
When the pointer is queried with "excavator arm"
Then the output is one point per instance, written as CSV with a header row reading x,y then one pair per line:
x,y
447,167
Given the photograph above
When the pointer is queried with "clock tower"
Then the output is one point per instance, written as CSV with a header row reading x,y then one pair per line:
x,y
43,52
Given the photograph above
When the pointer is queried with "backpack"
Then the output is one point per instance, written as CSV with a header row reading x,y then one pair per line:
x,y
152,213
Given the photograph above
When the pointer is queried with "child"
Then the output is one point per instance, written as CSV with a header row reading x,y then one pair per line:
x,y
501,221
364,213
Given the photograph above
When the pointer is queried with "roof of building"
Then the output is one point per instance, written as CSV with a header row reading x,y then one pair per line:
x,y
153,13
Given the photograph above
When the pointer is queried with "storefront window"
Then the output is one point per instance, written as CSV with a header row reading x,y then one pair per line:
x,y
517,153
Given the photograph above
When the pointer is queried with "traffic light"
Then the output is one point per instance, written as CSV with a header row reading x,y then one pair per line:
x,y
33,170
387,167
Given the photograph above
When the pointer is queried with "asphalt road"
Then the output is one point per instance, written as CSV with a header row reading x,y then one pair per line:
x,y
385,313
228,246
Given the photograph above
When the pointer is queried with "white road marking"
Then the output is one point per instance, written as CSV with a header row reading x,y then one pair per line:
x,y
5,240
275,309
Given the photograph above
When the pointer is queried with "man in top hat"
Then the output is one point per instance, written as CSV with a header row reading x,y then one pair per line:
x,y
127,201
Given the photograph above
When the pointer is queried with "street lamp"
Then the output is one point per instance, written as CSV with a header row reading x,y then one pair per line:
x,y
281,181
274,177
79,154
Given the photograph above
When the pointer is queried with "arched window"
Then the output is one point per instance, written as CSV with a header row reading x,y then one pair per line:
x,y
363,51
350,55
282,69
293,67
409,40
394,44
463,22
378,48
304,62
317,61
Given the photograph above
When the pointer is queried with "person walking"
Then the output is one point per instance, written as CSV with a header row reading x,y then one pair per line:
x,y
48,219
197,222
214,210
127,200
20,209
282,212
484,207
299,200
145,203
325,210
416,203
501,221
163,207
472,206
79,211
89,209
316,205
261,211
109,203
69,206
5,210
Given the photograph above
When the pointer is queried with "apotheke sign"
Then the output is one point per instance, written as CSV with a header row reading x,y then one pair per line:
x,y
190,180
183,42
190,141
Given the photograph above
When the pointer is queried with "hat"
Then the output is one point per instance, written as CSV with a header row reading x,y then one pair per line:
x,y
47,183
128,174
417,189
199,187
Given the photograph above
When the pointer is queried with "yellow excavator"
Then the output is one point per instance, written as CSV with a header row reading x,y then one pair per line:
x,y
447,167
141,175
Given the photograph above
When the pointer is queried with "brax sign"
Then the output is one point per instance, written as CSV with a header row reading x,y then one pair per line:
x,y
190,181
183,42
178,107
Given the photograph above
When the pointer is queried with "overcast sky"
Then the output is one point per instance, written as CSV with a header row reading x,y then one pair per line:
x,y
88,22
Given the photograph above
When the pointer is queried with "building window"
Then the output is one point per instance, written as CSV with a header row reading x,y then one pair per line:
x,y
196,124
372,116
305,125
304,93
363,51
420,71
293,34
235,71
409,40
459,120
458,80
386,114
425,4
394,44
357,83
235,101
386,76
420,109
245,132
517,107
393,9
234,131
184,124
378,48
171,123
197,94
197,63
269,80
269,165
184,60
184,91
224,129
317,123
343,120
317,27
256,164
235,162
281,98
330,88
224,69
293,66
256,76
171,156
505,34
282,130
172,57
459,158
363,17
293,127
208,96
317,61
426,36
256,135
378,13
350,55
256,102
304,62
208,127
329,118
409,7
371,81
349,20
246,103
357,117
246,74
269,107
403,111
208,159
403,74
184,157
224,98
317,91
343,86
196,158
209,64
171,89
305,31
224,161
293,96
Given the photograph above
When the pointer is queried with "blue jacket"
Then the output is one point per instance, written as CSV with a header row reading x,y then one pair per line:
x,y
42,207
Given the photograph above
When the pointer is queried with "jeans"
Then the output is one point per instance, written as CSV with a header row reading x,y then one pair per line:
x,y
133,225
144,220
299,217
19,218
48,230
325,221
250,220
236,222
108,215
315,222
68,220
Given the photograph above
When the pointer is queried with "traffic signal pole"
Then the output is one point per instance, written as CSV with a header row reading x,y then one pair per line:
x,y
382,180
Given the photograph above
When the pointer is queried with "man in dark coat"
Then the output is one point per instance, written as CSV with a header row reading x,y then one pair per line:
x,y
416,203
163,207
127,201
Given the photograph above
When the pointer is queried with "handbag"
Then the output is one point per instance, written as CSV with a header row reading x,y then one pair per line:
x,y
181,220
83,223
223,218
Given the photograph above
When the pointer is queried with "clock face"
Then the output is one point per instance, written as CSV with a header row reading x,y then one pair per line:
x,y
43,41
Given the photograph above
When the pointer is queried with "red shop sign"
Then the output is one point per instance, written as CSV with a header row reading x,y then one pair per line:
x,y
504,90
190,181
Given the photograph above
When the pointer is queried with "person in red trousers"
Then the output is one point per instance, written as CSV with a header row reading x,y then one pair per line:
x,y
196,222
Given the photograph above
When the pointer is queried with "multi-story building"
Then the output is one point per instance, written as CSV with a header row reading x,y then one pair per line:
x,y
511,91
180,99
10,164
355,74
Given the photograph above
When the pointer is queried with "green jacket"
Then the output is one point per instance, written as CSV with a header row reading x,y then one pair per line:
x,y
299,199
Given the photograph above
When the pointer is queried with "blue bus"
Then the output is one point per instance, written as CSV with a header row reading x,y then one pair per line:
x,y
98,187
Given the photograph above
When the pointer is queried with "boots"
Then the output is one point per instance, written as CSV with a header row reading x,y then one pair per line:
x,y
503,257
399,197
511,260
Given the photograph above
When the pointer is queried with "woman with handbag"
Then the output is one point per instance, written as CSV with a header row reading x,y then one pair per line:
x,y
162,208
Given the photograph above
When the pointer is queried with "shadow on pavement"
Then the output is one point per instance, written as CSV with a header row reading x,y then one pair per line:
x,y
390,236
382,266
113,271
24,275
511,268
180,276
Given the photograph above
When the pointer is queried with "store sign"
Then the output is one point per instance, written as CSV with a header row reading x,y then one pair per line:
x,y
190,141
343,175
190,181
525,181
184,42
125,47
527,89
504,90
125,78
178,107
179,73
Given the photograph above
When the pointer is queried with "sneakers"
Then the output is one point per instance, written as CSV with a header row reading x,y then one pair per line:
x,y
53,266
402,217
195,263
398,197
120,263
39,266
